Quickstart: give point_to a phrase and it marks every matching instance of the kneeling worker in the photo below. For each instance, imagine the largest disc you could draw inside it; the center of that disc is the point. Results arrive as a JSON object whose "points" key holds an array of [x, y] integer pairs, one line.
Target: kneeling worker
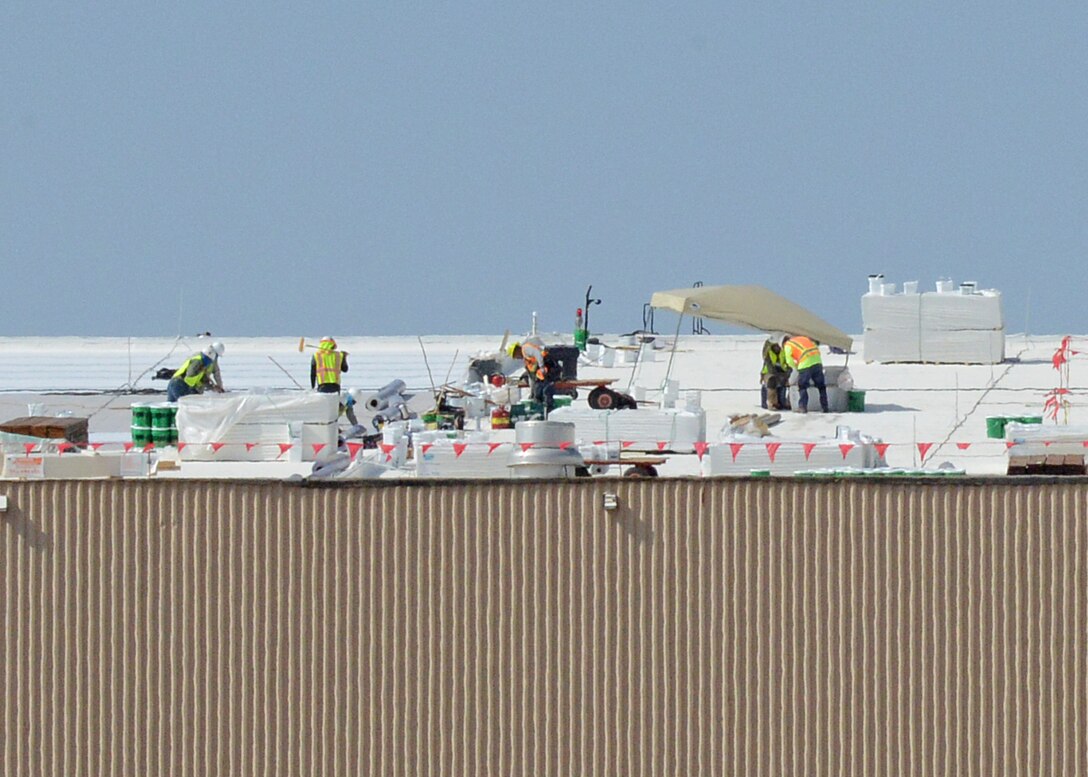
{"points": [[803, 355], [199, 371], [774, 378], [326, 366], [542, 368]]}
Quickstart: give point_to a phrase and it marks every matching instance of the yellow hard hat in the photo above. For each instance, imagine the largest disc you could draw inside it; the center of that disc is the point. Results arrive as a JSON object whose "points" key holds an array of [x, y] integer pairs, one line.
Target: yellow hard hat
{"points": [[510, 349]]}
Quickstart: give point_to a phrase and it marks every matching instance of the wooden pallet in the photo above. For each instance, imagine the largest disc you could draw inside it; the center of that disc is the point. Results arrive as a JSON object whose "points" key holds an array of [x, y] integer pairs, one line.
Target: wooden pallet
{"points": [[1072, 464]]}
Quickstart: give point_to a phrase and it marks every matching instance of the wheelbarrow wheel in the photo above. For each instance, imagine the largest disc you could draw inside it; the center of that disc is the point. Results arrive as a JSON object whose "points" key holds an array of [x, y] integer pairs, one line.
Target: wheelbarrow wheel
{"points": [[602, 398]]}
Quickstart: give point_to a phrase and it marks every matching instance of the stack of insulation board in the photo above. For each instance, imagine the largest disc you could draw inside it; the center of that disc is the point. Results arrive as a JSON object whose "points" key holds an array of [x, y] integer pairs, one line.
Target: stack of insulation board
{"points": [[1046, 440], [467, 456], [948, 326], [646, 429], [742, 454], [257, 426], [837, 396]]}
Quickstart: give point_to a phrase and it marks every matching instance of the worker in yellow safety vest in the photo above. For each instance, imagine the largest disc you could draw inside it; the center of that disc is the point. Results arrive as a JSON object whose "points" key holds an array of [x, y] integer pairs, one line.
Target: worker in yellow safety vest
{"points": [[542, 369], [774, 378], [326, 366], [803, 354], [200, 371]]}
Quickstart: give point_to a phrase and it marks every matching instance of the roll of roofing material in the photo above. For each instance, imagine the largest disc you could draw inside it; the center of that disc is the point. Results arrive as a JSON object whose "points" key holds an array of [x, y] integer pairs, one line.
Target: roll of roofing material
{"points": [[374, 402], [387, 403]]}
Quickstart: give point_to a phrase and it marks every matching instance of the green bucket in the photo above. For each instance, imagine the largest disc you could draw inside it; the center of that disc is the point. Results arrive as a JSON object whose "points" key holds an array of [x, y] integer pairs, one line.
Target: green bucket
{"points": [[163, 415], [141, 415], [562, 401], [855, 401], [1030, 419], [141, 435], [759, 473], [162, 437], [995, 426], [527, 409]]}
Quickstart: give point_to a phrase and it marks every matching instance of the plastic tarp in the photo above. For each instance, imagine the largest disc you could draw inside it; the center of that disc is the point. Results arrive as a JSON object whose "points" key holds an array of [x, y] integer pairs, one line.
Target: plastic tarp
{"points": [[642, 430], [933, 311], [210, 418], [934, 327], [751, 306]]}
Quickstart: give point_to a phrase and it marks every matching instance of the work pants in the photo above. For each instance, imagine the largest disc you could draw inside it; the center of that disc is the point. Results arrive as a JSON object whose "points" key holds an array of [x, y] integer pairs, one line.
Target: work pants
{"points": [[178, 388], [543, 391], [777, 386], [811, 376]]}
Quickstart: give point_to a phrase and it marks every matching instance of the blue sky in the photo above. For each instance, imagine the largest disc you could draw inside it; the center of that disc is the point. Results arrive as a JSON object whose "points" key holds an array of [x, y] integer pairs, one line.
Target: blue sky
{"points": [[362, 169]]}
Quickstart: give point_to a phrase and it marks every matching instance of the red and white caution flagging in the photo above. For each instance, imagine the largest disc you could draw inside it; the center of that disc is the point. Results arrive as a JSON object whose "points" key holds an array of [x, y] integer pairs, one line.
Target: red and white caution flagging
{"points": [[699, 448]]}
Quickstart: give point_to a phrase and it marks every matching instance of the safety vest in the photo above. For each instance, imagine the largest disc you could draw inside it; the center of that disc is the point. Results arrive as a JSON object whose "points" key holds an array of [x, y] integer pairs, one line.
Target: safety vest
{"points": [[801, 353], [328, 363], [534, 356], [773, 359], [197, 378]]}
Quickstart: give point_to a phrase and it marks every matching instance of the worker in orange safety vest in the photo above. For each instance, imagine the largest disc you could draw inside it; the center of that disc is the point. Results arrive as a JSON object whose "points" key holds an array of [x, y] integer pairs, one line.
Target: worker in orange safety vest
{"points": [[542, 368], [803, 354]]}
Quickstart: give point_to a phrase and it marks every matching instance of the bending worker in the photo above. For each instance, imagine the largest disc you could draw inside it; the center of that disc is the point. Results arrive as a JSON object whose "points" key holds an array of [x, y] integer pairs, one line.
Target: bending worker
{"points": [[326, 366], [774, 378], [803, 355], [199, 371], [542, 368]]}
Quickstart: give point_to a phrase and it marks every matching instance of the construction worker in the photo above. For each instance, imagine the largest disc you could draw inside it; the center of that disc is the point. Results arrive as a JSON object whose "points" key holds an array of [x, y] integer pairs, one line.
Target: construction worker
{"points": [[326, 366], [199, 371], [803, 354], [543, 370], [774, 378]]}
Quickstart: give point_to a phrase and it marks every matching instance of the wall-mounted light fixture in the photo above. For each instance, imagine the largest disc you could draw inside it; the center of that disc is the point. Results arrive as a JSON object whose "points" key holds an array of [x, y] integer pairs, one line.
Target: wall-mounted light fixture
{"points": [[610, 501]]}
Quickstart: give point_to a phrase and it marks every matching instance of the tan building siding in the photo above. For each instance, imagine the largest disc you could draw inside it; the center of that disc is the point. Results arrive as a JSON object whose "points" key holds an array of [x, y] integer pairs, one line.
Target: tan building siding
{"points": [[705, 627]]}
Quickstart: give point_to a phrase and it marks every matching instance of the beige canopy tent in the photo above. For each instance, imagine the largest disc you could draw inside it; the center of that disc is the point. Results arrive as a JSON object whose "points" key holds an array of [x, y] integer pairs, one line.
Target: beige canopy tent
{"points": [[751, 306]]}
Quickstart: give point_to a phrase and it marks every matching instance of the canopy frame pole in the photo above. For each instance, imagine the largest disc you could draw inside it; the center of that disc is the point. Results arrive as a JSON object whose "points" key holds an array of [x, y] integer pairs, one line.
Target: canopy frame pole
{"points": [[672, 355]]}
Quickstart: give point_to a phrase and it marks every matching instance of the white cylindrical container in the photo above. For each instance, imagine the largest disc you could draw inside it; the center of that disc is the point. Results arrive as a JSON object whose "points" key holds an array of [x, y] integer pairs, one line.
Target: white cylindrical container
{"points": [[542, 462], [944, 285], [910, 287], [693, 399], [551, 434], [968, 287], [670, 393], [875, 283], [294, 431], [887, 289]]}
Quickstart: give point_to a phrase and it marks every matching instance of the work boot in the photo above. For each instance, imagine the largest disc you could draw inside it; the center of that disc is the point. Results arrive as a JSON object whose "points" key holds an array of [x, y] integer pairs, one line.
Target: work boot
{"points": [[802, 410]]}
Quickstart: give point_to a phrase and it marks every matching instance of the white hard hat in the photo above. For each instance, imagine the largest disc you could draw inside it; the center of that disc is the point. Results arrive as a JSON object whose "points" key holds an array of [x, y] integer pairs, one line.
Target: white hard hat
{"points": [[214, 350], [219, 348]]}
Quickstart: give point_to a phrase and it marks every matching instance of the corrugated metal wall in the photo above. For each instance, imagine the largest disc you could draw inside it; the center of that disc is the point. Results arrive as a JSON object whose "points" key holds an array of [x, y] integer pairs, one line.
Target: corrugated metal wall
{"points": [[706, 627]]}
